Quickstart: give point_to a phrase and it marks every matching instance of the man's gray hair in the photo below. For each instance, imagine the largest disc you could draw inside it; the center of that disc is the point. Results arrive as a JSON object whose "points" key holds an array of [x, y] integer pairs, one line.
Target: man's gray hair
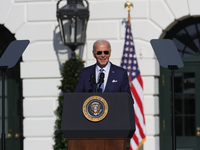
{"points": [[101, 41]]}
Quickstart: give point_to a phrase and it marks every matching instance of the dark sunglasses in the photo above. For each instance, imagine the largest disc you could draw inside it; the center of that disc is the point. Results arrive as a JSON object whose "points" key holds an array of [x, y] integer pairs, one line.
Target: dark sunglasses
{"points": [[105, 52]]}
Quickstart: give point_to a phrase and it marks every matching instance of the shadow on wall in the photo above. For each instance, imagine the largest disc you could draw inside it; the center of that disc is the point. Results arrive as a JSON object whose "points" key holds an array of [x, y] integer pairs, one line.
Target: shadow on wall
{"points": [[63, 53]]}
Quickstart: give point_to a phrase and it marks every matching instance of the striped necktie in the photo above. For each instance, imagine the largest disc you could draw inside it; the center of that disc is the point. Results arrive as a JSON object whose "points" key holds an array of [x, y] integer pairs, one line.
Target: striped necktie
{"points": [[102, 85]]}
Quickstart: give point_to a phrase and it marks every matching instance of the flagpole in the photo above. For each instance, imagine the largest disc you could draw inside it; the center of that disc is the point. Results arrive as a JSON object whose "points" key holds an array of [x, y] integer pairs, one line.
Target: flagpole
{"points": [[129, 62], [128, 4]]}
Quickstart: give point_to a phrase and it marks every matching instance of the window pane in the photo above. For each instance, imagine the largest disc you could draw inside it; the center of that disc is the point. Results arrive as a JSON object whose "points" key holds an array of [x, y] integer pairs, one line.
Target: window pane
{"points": [[189, 83], [178, 104], [179, 44], [179, 126], [182, 36], [190, 126], [189, 52], [191, 30], [178, 84], [189, 101]]}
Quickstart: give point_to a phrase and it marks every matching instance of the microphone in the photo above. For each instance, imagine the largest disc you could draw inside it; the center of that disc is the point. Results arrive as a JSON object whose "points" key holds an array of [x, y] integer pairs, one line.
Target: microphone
{"points": [[91, 80], [101, 79]]}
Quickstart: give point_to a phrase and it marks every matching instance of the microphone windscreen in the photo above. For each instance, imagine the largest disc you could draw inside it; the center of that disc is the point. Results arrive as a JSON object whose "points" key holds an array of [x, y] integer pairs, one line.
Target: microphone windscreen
{"points": [[92, 75], [92, 78], [102, 75]]}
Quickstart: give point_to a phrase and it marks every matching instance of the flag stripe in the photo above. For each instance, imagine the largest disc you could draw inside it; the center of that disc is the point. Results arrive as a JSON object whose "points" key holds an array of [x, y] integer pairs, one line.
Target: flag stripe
{"points": [[139, 126], [139, 115], [140, 81], [138, 89], [138, 98], [135, 140], [140, 118]]}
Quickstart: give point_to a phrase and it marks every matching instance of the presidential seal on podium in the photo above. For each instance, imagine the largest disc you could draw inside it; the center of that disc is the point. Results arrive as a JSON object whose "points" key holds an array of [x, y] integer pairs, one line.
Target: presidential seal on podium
{"points": [[95, 108]]}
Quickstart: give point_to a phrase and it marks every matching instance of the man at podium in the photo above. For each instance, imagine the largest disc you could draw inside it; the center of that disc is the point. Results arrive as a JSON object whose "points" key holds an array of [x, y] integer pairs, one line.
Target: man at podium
{"points": [[103, 76], [99, 121]]}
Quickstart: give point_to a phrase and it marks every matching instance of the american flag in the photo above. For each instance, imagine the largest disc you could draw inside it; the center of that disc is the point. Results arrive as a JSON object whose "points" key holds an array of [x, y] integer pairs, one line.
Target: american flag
{"points": [[129, 62]]}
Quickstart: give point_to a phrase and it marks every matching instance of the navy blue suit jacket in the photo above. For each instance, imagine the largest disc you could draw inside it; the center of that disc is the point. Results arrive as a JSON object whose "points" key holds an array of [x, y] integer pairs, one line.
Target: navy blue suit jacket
{"points": [[117, 80]]}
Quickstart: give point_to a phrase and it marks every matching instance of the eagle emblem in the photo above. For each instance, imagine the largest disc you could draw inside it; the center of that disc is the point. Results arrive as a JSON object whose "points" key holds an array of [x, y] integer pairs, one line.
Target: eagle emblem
{"points": [[95, 108]]}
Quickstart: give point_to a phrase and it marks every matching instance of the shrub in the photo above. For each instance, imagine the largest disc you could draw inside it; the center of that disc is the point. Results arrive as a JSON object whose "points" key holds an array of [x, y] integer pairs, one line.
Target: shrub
{"points": [[70, 76]]}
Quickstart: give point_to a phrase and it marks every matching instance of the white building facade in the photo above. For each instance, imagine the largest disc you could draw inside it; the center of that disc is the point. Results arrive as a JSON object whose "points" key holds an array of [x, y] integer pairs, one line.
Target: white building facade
{"points": [[40, 67]]}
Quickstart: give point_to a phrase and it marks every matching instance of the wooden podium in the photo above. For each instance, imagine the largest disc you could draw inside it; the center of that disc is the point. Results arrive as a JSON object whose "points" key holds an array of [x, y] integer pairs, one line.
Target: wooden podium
{"points": [[97, 144], [110, 133]]}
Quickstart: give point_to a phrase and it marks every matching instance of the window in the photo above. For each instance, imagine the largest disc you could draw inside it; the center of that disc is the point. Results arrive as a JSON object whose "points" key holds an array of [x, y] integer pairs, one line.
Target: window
{"points": [[186, 36]]}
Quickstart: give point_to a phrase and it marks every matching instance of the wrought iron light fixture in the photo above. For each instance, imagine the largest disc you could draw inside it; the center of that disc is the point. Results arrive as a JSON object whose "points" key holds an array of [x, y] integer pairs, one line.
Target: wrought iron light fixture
{"points": [[72, 19]]}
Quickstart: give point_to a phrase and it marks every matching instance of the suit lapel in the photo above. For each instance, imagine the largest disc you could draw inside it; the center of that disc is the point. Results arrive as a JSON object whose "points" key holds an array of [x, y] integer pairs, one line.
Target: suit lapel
{"points": [[110, 78], [93, 71]]}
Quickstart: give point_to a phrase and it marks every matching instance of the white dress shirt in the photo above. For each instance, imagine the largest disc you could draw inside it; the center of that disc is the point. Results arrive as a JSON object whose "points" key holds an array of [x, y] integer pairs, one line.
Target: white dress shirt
{"points": [[106, 72]]}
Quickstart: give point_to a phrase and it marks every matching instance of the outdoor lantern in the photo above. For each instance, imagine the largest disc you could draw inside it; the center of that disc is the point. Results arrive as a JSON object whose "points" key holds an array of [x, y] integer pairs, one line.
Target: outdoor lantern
{"points": [[72, 19]]}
